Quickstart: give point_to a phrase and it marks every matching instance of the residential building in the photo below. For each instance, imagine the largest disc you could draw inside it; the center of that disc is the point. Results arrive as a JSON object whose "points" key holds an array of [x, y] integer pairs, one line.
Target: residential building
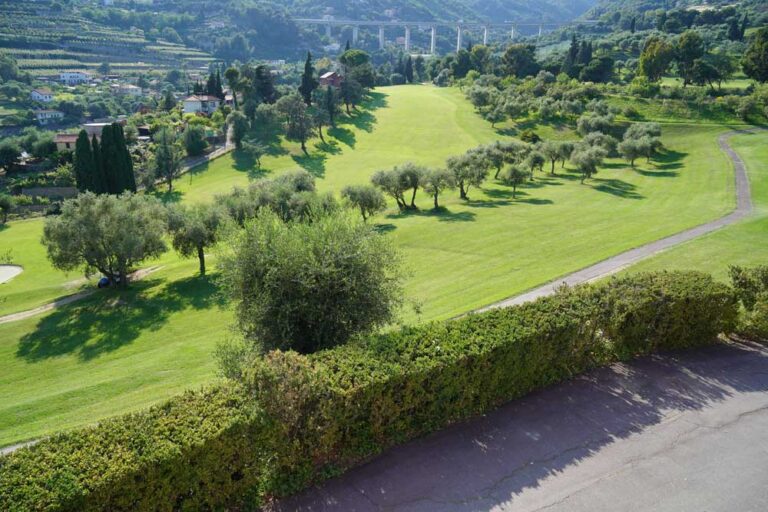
{"points": [[74, 77], [128, 90], [331, 78], [65, 141], [201, 104], [45, 117], [42, 95]]}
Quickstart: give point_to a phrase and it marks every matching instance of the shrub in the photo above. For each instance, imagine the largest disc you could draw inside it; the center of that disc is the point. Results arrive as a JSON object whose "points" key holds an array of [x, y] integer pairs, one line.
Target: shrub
{"points": [[751, 286], [310, 286], [320, 414]]}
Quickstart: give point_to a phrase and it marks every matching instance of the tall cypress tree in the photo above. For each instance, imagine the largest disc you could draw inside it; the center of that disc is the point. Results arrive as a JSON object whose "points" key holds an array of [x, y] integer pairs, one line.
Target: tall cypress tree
{"points": [[83, 163], [127, 178], [219, 86], [110, 160], [99, 177], [409, 70], [571, 58], [308, 81]]}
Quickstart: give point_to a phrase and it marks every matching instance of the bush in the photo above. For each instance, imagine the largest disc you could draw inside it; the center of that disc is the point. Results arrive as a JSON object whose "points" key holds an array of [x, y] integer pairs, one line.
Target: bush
{"points": [[329, 411], [310, 286], [751, 286]]}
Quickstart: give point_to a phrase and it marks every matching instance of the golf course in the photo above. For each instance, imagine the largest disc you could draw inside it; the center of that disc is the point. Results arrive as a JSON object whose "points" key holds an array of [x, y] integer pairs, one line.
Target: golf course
{"points": [[118, 351]]}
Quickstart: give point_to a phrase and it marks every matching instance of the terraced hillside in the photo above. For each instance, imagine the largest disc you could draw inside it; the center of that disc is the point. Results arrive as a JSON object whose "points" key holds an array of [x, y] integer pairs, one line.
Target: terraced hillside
{"points": [[44, 41]]}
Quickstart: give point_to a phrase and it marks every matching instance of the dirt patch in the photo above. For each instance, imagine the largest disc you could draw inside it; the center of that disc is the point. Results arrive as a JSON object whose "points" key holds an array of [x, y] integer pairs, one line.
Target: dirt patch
{"points": [[8, 272]]}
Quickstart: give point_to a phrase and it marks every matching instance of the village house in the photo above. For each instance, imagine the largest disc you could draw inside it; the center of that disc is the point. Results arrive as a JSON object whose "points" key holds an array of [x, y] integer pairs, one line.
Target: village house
{"points": [[127, 90], [74, 77], [331, 78], [44, 117], [65, 141], [42, 95], [201, 104]]}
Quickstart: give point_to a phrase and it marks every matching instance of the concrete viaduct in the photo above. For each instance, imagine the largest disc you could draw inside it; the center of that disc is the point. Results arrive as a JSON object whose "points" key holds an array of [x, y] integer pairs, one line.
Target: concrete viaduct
{"points": [[407, 26]]}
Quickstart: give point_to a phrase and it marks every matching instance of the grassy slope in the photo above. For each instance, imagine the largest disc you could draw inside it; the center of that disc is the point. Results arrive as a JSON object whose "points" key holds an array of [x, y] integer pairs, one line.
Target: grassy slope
{"points": [[102, 357], [741, 244]]}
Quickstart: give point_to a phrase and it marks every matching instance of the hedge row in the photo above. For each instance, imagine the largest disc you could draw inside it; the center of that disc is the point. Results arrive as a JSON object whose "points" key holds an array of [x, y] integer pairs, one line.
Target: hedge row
{"points": [[319, 415]]}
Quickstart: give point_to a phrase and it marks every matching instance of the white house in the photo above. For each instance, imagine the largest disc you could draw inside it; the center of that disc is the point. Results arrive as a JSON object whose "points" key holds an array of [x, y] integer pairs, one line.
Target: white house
{"points": [[127, 90], [42, 95], [44, 117], [74, 77], [201, 104]]}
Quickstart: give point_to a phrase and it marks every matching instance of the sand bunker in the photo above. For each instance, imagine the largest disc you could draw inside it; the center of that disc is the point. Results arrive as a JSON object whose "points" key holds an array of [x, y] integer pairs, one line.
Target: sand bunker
{"points": [[8, 272]]}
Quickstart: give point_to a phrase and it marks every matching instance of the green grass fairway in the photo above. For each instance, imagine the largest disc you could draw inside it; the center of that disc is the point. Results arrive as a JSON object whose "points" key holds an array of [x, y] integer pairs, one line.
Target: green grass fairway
{"points": [[741, 244], [112, 352], [39, 282]]}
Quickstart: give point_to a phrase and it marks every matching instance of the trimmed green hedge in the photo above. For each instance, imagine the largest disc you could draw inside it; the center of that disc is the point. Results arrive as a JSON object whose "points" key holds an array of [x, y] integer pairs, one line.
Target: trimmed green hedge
{"points": [[319, 415]]}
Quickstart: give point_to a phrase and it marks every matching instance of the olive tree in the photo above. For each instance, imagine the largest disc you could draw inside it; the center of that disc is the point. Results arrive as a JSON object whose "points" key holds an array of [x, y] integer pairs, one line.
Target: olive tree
{"points": [[587, 159], [514, 176], [310, 286], [410, 177], [391, 184], [106, 233], [195, 228], [468, 170], [436, 181], [367, 198]]}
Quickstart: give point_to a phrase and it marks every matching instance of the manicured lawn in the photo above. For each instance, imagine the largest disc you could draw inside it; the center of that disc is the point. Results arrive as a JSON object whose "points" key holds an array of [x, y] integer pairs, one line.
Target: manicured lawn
{"points": [[112, 352], [741, 244], [39, 282]]}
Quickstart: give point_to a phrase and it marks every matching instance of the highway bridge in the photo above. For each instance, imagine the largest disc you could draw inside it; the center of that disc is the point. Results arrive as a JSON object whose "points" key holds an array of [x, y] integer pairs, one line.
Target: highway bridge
{"points": [[509, 26]]}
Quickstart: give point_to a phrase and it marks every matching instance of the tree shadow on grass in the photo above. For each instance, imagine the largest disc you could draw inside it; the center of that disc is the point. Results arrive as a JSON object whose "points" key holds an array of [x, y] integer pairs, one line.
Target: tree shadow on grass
{"points": [[385, 228], [114, 318], [343, 135], [669, 159], [168, 197], [313, 164], [442, 214], [244, 162], [616, 187], [330, 147], [657, 174], [376, 100], [360, 119]]}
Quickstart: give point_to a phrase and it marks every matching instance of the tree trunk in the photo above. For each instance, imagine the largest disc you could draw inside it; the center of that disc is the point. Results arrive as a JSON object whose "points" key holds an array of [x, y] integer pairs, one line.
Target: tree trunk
{"points": [[514, 191], [201, 258], [320, 131], [304, 147], [436, 205], [498, 171], [462, 191], [413, 198], [170, 185], [349, 113], [552, 172]]}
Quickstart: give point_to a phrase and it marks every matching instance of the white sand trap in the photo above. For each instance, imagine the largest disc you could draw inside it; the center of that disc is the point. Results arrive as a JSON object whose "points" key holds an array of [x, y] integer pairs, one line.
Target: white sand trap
{"points": [[8, 272]]}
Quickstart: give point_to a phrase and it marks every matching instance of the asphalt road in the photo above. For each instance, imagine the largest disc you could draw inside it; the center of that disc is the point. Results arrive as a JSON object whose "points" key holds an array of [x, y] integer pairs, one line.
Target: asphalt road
{"points": [[682, 432]]}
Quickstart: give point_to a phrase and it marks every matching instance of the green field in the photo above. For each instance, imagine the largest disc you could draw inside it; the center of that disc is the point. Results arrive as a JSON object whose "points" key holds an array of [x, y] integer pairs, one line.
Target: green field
{"points": [[741, 244], [114, 352]]}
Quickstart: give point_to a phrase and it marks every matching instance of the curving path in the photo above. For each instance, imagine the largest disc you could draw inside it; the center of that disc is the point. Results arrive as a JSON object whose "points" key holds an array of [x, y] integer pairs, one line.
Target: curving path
{"points": [[621, 261], [69, 299]]}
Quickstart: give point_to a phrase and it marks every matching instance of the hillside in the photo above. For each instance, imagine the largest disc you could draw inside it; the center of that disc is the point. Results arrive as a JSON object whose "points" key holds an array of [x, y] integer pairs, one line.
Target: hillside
{"points": [[45, 39]]}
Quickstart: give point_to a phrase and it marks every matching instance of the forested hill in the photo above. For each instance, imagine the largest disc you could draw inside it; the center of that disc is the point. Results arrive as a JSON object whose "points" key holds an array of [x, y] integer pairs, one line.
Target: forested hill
{"points": [[648, 11]]}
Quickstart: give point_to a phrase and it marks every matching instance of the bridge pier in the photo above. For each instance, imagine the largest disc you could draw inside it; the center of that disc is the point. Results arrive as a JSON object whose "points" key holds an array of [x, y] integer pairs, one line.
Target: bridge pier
{"points": [[382, 40], [433, 41], [485, 36], [459, 36], [513, 32], [355, 34], [541, 30], [328, 31], [407, 38]]}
